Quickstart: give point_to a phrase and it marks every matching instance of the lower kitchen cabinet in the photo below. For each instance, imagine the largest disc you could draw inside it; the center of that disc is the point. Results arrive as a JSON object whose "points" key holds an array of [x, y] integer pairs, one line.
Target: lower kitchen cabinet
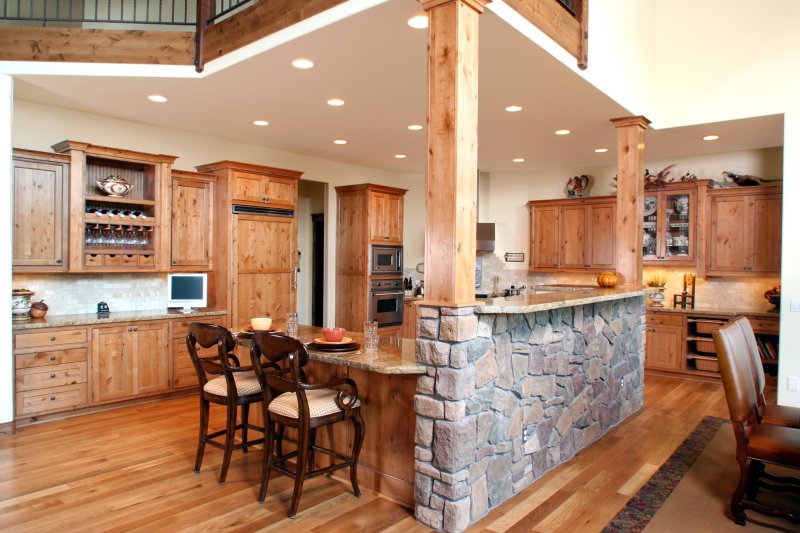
{"points": [[129, 360], [664, 342]]}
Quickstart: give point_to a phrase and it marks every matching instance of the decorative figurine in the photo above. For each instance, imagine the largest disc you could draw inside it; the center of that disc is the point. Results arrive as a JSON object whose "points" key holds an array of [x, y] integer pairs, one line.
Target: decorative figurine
{"points": [[115, 186], [577, 186], [744, 180]]}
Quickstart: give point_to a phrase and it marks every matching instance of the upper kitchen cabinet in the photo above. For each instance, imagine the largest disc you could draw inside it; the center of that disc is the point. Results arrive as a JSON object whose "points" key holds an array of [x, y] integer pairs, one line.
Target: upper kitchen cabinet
{"points": [[745, 231], [671, 215], [257, 185], [573, 235], [41, 192], [385, 216], [191, 220], [115, 207]]}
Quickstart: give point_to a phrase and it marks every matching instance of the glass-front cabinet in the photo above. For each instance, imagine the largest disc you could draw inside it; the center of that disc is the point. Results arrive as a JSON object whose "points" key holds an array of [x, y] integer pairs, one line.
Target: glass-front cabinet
{"points": [[670, 224]]}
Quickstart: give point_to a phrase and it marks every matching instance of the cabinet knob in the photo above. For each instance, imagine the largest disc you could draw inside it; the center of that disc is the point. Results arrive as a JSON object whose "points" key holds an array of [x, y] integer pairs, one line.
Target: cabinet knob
{"points": [[386, 238], [267, 198], [174, 261], [52, 357], [52, 376], [130, 329], [587, 266], [52, 398], [52, 339], [58, 261]]}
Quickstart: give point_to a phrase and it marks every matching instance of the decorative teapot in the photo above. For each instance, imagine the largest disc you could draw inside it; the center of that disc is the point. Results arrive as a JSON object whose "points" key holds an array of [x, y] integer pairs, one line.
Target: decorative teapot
{"points": [[115, 186]]}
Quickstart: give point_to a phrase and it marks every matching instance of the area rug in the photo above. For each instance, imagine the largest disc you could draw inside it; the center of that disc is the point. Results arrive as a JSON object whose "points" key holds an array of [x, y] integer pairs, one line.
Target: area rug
{"points": [[691, 491]]}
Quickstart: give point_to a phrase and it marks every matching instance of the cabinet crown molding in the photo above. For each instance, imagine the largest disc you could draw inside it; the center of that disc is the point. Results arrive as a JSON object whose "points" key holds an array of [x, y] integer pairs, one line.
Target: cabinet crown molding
{"points": [[345, 189], [249, 167], [113, 153]]}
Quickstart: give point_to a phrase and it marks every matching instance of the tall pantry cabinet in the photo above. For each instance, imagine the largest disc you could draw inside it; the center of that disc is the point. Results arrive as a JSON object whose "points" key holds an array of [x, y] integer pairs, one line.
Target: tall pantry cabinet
{"points": [[256, 214]]}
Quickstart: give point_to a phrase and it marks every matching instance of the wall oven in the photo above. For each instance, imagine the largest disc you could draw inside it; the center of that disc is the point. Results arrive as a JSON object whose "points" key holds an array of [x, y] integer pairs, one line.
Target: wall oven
{"points": [[386, 301], [386, 259]]}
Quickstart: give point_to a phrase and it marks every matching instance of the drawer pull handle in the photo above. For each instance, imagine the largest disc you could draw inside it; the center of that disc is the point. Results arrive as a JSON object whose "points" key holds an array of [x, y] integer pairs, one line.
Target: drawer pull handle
{"points": [[52, 376], [52, 398], [52, 357], [52, 339], [58, 261]]}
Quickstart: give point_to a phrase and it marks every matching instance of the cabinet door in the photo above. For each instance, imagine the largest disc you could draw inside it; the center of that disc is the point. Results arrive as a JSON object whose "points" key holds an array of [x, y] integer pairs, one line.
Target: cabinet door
{"points": [[40, 211], [249, 187], [573, 236], [393, 219], [265, 282], [152, 357], [192, 205], [730, 235], [664, 348], [281, 192], [544, 237], [602, 230], [112, 364], [409, 328], [377, 207], [766, 234]]}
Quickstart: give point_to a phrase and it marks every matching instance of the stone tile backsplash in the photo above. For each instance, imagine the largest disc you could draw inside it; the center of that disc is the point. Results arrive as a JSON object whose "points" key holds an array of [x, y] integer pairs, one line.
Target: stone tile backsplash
{"points": [[67, 294]]}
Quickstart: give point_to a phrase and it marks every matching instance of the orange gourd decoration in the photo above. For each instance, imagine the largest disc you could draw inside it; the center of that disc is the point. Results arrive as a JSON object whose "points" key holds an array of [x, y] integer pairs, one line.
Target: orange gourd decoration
{"points": [[607, 279]]}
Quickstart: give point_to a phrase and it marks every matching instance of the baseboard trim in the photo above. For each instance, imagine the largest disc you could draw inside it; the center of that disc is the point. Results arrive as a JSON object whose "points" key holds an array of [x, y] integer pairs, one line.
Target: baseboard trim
{"points": [[7, 429]]}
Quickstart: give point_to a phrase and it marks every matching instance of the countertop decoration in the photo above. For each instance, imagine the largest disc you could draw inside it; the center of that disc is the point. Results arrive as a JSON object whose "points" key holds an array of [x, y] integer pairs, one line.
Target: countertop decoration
{"points": [[657, 283], [607, 279], [773, 296], [577, 186], [685, 298], [21, 304]]}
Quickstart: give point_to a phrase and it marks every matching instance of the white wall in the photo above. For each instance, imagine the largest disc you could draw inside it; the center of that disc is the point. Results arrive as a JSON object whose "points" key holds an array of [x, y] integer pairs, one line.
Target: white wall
{"points": [[38, 127], [6, 207]]}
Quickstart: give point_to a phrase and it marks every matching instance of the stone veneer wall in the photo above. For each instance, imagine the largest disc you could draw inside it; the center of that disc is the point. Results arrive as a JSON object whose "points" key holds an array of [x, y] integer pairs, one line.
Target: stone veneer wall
{"points": [[507, 397]]}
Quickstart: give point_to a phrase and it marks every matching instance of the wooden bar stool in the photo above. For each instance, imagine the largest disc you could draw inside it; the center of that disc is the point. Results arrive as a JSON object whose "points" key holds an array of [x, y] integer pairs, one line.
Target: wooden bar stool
{"points": [[289, 401], [232, 386]]}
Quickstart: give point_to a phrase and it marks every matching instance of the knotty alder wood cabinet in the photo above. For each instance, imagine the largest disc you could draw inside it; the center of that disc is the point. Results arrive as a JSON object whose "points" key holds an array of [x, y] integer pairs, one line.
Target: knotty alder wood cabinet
{"points": [[41, 192], [664, 346], [745, 231], [385, 217], [191, 221], [672, 234], [573, 235]]}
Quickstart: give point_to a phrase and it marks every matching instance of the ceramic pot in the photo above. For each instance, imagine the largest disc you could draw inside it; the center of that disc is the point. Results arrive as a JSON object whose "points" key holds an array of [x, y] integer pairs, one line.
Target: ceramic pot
{"points": [[657, 297], [21, 304], [115, 186]]}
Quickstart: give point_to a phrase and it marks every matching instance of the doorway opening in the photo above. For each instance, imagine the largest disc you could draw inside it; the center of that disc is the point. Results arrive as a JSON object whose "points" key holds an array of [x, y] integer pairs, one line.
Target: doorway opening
{"points": [[311, 252]]}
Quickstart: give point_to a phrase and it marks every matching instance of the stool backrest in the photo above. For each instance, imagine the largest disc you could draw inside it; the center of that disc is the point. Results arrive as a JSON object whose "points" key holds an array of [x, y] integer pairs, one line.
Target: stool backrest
{"points": [[737, 377], [278, 361], [755, 358], [208, 335]]}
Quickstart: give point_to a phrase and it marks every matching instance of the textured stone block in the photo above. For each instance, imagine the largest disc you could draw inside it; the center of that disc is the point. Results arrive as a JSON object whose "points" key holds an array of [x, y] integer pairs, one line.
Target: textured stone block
{"points": [[437, 502], [485, 325], [485, 421], [430, 517], [423, 433], [428, 328], [428, 406], [455, 384], [499, 430], [519, 366], [455, 491], [515, 427], [422, 488], [500, 324], [533, 413], [480, 499], [458, 328], [424, 311], [454, 443], [453, 478], [478, 469], [423, 454], [431, 352], [519, 328], [427, 469], [457, 311], [485, 369], [455, 410], [541, 334], [425, 384], [456, 515]]}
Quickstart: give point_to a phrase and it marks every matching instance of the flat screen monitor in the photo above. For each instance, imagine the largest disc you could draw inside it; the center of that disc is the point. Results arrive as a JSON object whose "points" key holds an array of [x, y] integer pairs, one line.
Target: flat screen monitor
{"points": [[187, 291]]}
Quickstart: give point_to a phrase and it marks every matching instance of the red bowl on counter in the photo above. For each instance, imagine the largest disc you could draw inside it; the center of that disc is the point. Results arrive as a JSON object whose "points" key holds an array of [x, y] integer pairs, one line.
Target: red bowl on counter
{"points": [[333, 334]]}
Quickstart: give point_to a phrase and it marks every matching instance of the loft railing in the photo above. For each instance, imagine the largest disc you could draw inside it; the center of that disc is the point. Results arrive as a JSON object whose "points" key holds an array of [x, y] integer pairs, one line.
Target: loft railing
{"points": [[70, 12]]}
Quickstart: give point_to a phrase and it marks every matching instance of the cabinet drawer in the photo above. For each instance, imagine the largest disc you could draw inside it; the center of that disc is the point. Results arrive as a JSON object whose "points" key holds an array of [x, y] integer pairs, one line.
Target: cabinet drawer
{"points": [[49, 338], [183, 372], [113, 260], [146, 260], [129, 260], [705, 327], [666, 319], [93, 260], [51, 399], [180, 327], [51, 357], [42, 377], [765, 325]]}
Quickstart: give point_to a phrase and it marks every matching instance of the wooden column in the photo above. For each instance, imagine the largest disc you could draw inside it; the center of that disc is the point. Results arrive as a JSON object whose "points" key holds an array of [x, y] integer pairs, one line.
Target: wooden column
{"points": [[451, 179], [630, 201]]}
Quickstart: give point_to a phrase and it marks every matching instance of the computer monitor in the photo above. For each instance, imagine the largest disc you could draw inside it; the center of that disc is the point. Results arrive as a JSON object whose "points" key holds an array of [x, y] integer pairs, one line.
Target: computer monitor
{"points": [[187, 291]]}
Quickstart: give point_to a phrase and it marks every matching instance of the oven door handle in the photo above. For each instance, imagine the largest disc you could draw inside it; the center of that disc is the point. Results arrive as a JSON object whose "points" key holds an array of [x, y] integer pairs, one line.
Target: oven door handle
{"points": [[388, 293]]}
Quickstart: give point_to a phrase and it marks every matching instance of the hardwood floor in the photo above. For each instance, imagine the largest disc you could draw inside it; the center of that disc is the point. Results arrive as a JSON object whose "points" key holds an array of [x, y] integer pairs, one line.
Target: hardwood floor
{"points": [[130, 469]]}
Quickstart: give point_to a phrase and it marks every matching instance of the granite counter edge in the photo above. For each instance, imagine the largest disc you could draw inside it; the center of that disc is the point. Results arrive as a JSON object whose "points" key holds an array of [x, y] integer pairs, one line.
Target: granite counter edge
{"points": [[89, 319]]}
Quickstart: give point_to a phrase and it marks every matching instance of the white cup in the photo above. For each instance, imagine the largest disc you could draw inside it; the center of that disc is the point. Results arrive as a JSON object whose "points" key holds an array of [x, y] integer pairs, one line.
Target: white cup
{"points": [[261, 323]]}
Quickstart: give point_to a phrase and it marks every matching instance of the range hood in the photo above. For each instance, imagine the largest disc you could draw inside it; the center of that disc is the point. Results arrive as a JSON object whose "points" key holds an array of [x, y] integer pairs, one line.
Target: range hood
{"points": [[485, 237]]}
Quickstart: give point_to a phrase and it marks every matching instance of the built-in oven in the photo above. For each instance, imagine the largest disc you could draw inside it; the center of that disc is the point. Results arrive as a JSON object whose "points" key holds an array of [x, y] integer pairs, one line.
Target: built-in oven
{"points": [[386, 259], [386, 301]]}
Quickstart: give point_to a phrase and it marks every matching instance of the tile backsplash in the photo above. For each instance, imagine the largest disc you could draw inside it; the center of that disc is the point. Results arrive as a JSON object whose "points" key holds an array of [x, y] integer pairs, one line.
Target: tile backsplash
{"points": [[67, 294]]}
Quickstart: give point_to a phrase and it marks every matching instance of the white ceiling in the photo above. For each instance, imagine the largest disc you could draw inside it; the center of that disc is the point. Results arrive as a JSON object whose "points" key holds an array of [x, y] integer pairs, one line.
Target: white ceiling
{"points": [[377, 64]]}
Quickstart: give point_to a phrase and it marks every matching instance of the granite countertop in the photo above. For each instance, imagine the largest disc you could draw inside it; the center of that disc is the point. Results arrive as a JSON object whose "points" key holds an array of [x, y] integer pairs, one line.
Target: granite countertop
{"points": [[761, 311], [394, 356], [88, 319], [544, 299]]}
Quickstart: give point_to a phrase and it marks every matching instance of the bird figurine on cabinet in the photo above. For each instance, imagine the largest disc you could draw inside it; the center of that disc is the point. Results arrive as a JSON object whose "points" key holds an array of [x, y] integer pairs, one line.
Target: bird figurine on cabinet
{"points": [[744, 180]]}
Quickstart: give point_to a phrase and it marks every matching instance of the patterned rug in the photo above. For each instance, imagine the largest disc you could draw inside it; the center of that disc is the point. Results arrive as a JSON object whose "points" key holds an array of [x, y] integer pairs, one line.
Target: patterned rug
{"points": [[642, 507]]}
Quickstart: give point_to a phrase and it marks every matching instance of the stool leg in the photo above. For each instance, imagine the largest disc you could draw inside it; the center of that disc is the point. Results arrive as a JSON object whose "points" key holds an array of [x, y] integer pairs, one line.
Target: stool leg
{"points": [[265, 468], [245, 416], [201, 440], [300, 472], [279, 445], [358, 440], [312, 441], [230, 433]]}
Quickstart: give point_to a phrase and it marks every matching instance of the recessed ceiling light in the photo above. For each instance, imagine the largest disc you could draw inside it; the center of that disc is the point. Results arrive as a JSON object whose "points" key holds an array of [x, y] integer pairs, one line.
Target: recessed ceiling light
{"points": [[711, 137], [563, 132], [336, 102], [399, 156], [415, 127], [340, 141], [601, 150], [302, 63], [261, 123], [518, 160], [157, 98], [513, 108], [418, 22]]}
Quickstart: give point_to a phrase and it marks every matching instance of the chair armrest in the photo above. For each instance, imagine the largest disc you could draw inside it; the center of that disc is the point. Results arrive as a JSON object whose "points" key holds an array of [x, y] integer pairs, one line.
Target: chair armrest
{"points": [[347, 391]]}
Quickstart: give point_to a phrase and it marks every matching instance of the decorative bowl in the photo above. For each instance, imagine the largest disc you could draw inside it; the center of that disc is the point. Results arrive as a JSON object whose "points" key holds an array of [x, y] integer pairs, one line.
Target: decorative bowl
{"points": [[115, 186], [261, 323], [333, 334]]}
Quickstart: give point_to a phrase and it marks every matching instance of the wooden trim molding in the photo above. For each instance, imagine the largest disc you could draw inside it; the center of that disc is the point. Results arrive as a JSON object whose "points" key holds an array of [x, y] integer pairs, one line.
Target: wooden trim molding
{"points": [[210, 168], [345, 189], [113, 153], [96, 46], [7, 429], [557, 23]]}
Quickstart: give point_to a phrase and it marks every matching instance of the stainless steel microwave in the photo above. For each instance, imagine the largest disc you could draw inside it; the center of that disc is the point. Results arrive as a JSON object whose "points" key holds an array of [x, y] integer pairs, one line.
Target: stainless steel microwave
{"points": [[386, 259]]}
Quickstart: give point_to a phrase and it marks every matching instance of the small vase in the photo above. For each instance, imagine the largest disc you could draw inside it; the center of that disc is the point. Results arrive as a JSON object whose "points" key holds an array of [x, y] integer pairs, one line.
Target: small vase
{"points": [[657, 297], [21, 304]]}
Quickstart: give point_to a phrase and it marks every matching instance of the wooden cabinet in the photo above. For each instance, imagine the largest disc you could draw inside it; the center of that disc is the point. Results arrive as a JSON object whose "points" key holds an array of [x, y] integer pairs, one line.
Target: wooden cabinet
{"points": [[385, 218], [183, 372], [573, 235], [191, 221], [745, 231], [672, 216], [258, 185], [409, 328], [129, 360], [41, 208], [366, 214], [115, 233], [664, 346]]}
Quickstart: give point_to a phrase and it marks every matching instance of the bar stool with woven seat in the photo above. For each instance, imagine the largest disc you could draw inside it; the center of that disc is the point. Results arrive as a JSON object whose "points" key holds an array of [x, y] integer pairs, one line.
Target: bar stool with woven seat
{"points": [[231, 386], [290, 401]]}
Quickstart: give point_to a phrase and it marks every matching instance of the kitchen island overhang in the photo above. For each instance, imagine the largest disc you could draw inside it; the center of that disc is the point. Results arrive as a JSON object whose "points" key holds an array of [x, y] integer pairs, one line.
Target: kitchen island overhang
{"points": [[515, 387]]}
